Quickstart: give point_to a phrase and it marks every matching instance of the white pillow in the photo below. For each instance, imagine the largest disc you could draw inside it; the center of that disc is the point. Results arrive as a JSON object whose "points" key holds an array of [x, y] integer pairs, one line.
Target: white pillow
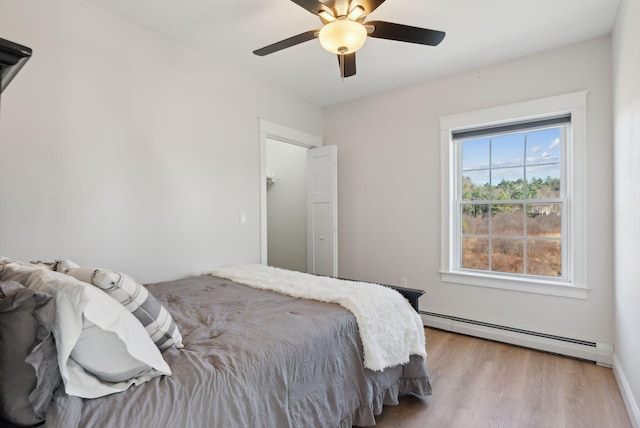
{"points": [[154, 317], [89, 353], [59, 265], [79, 308], [64, 266]]}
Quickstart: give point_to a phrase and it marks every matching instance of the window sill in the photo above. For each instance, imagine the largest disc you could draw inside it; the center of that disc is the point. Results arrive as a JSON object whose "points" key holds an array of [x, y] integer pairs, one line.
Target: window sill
{"points": [[526, 285]]}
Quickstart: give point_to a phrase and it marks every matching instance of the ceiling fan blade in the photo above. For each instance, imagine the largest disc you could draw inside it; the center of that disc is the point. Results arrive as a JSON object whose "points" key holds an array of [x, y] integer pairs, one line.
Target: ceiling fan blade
{"points": [[370, 5], [286, 43], [313, 6], [405, 33], [347, 64]]}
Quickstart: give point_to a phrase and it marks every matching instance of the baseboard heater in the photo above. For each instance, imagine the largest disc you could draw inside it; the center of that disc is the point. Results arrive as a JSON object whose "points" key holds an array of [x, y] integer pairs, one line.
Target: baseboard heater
{"points": [[600, 353]]}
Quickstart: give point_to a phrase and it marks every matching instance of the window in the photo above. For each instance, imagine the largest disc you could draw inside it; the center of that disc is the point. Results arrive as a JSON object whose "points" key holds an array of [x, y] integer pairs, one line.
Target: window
{"points": [[513, 203], [510, 198]]}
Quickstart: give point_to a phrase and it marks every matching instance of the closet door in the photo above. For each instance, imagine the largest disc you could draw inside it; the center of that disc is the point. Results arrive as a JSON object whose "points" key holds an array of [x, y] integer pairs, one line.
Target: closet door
{"points": [[322, 210]]}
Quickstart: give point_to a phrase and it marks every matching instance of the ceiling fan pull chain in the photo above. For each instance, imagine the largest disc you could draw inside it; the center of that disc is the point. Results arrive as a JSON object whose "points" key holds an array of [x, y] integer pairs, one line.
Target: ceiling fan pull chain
{"points": [[341, 56]]}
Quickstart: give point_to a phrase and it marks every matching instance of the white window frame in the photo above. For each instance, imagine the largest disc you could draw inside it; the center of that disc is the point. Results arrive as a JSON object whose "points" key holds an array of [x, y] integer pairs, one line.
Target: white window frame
{"points": [[573, 284]]}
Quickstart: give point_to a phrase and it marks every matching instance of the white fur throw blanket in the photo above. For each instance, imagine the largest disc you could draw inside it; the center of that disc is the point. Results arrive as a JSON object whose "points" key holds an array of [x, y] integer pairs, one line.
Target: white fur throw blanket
{"points": [[390, 329]]}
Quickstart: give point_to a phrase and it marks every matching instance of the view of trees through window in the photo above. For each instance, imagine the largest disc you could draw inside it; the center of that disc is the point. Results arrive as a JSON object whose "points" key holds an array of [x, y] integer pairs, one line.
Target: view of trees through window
{"points": [[511, 203]]}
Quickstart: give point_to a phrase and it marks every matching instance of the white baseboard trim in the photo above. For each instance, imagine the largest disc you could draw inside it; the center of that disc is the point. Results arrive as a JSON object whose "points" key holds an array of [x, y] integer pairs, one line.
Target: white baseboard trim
{"points": [[627, 395], [601, 353]]}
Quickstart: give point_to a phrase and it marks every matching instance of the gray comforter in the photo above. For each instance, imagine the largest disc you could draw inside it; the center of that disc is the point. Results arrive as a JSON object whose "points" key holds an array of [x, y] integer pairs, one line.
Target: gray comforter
{"points": [[252, 358]]}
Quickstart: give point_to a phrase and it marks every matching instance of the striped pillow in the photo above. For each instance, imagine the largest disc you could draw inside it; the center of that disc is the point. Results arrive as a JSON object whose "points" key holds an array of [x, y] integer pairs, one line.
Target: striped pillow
{"points": [[155, 318]]}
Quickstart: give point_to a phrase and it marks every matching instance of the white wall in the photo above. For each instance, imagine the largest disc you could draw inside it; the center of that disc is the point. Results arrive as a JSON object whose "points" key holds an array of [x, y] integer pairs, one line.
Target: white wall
{"points": [[287, 206], [626, 91], [389, 187], [122, 149]]}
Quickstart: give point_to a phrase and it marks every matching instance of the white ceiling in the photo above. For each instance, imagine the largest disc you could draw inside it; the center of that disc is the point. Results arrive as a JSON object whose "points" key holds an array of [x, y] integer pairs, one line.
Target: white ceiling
{"points": [[479, 32]]}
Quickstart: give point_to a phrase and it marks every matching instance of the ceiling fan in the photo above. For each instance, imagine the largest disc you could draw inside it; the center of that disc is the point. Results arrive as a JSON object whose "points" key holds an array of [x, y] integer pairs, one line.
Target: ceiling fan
{"points": [[344, 30]]}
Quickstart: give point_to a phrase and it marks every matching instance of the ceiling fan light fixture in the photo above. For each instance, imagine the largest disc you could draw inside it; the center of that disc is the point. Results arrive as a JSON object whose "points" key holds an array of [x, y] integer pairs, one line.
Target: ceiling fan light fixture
{"points": [[342, 36], [356, 13], [327, 16]]}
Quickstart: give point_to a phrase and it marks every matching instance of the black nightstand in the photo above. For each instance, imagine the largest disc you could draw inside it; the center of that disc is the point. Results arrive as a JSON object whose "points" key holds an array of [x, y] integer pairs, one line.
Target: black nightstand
{"points": [[411, 294]]}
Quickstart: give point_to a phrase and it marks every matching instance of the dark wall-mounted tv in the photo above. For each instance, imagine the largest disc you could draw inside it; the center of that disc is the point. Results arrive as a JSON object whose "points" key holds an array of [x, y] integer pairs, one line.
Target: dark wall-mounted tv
{"points": [[12, 59]]}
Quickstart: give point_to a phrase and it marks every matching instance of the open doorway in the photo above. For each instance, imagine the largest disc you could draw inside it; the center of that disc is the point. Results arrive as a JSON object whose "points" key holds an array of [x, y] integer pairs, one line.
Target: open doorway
{"points": [[320, 195], [286, 205]]}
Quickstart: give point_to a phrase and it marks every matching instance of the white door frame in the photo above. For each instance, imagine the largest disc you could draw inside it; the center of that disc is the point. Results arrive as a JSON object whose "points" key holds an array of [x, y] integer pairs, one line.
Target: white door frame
{"points": [[285, 134]]}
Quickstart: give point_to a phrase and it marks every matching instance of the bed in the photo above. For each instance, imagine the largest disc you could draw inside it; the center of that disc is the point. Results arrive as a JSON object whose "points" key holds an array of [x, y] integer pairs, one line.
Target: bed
{"points": [[251, 358]]}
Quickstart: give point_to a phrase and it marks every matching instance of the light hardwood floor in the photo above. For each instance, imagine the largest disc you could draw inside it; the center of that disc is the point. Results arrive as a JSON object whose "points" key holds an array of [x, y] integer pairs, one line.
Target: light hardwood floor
{"points": [[478, 383]]}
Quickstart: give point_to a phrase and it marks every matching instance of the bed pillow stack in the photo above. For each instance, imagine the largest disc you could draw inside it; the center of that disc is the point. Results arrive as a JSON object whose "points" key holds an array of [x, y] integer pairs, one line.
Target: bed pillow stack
{"points": [[101, 347], [155, 318]]}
